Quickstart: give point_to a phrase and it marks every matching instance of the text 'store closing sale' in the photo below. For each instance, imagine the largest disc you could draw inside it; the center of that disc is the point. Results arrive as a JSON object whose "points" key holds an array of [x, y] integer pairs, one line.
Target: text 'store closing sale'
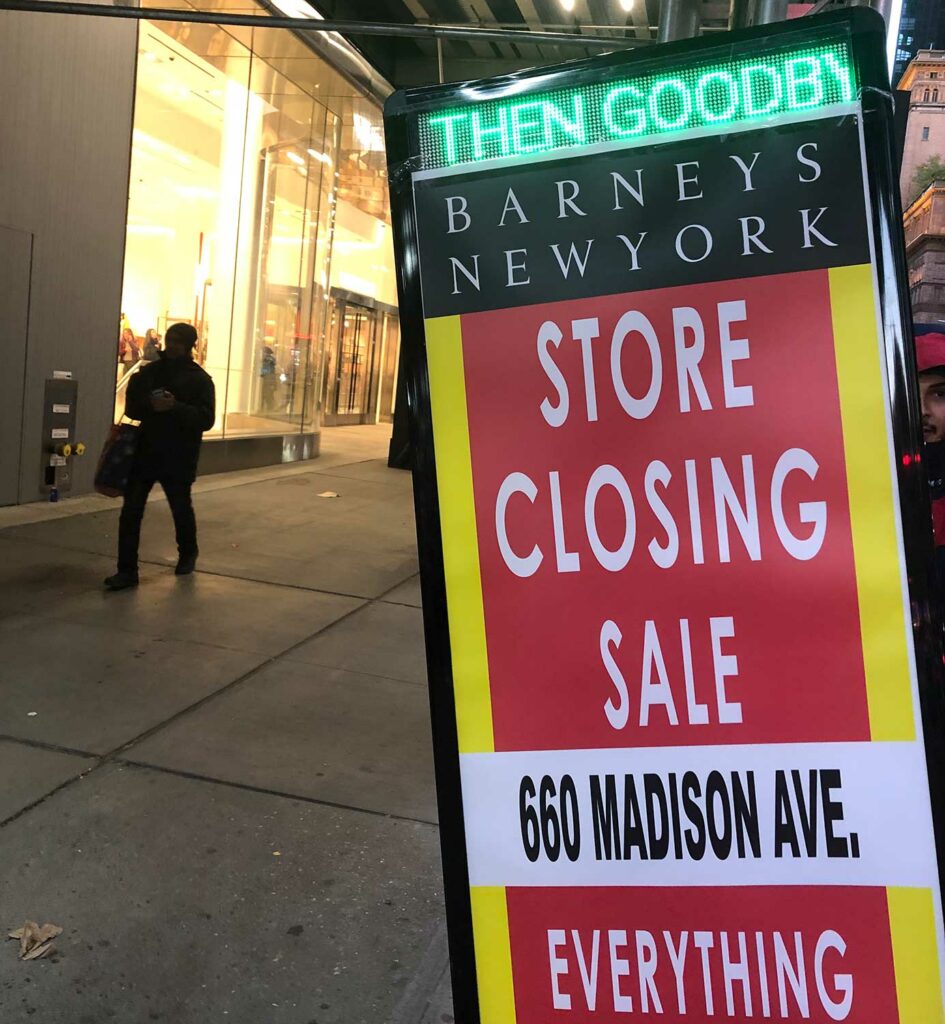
{"points": [[693, 774]]}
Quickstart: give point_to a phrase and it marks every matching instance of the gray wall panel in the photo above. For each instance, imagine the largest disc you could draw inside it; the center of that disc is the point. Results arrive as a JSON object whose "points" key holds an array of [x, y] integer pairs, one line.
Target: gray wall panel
{"points": [[16, 249], [65, 142]]}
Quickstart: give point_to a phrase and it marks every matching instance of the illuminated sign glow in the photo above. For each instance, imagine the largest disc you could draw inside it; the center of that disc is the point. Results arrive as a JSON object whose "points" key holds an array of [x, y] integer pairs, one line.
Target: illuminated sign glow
{"points": [[743, 89]]}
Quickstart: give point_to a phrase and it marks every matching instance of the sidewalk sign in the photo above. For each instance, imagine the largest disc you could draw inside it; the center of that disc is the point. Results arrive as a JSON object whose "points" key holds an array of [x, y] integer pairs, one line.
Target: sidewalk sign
{"points": [[674, 531]]}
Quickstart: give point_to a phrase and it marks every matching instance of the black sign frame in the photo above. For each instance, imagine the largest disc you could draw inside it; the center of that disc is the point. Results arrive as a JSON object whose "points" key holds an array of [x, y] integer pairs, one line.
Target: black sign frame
{"points": [[867, 38]]}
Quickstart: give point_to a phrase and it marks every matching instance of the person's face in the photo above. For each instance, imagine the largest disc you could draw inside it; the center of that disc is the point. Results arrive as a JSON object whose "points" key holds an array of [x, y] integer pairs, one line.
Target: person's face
{"points": [[932, 393], [174, 348]]}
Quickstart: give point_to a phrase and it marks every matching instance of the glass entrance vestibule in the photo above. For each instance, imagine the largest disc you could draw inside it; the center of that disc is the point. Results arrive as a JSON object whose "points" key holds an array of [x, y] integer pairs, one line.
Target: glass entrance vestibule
{"points": [[258, 202], [361, 362]]}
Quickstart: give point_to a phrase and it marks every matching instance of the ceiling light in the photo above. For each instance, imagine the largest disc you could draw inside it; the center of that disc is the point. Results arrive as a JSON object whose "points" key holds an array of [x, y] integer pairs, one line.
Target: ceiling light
{"points": [[568, 5], [626, 5], [295, 158]]}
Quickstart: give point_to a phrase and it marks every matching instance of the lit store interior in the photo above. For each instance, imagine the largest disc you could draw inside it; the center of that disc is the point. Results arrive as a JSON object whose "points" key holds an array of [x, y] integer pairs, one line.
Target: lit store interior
{"points": [[258, 212]]}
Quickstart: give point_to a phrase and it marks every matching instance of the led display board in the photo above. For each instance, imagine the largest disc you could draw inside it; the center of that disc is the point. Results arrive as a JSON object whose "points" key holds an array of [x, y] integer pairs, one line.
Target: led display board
{"points": [[725, 92], [674, 532]]}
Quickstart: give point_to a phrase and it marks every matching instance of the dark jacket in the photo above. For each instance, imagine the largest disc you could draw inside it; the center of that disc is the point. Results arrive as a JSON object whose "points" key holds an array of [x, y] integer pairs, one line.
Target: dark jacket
{"points": [[169, 442]]}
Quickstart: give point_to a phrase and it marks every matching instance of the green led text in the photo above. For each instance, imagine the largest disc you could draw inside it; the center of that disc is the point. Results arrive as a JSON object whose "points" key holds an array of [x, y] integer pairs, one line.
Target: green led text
{"points": [[739, 90]]}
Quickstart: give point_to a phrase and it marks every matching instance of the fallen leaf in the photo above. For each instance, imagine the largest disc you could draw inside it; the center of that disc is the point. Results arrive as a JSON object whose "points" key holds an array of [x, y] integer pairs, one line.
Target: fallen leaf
{"points": [[26, 939], [35, 941], [329, 494], [47, 932], [35, 954]]}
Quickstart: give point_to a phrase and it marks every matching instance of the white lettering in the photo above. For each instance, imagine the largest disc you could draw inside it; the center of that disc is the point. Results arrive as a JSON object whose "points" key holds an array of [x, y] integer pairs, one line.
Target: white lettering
{"points": [[807, 162], [585, 331], [752, 236], [560, 1000], [688, 357], [568, 200], [634, 249], [634, 321], [513, 205], [515, 483], [724, 665], [620, 180], [706, 237], [835, 1009], [733, 349], [567, 561], [617, 715], [684, 181], [608, 476], [471, 276], [658, 693], [664, 557], [619, 968], [746, 169], [555, 415], [812, 512], [514, 268], [810, 231], [454, 213]]}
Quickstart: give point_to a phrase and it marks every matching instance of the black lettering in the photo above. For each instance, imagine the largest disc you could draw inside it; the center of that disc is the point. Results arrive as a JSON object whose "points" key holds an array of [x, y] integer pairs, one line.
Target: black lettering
{"points": [[695, 836], [674, 810], [807, 809], [721, 841], [605, 816], [833, 812], [746, 814], [656, 814], [633, 834], [785, 831]]}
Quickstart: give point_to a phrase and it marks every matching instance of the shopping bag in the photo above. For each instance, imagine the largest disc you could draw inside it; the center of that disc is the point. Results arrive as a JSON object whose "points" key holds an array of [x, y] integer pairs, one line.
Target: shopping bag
{"points": [[115, 462]]}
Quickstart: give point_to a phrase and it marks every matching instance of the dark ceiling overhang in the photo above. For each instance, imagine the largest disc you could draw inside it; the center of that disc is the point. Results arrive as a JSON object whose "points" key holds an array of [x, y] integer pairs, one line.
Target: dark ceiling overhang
{"points": [[406, 61]]}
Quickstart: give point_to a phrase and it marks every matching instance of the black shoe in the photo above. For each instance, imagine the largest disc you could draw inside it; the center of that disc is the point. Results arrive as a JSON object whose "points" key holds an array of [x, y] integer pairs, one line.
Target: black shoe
{"points": [[186, 565], [121, 581]]}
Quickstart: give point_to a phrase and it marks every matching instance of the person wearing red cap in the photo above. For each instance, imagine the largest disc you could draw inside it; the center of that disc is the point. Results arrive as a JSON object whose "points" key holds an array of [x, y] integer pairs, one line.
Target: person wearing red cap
{"points": [[930, 357]]}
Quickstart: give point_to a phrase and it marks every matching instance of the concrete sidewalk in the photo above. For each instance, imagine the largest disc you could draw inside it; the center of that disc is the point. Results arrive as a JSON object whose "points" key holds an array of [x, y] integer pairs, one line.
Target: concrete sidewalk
{"points": [[221, 787]]}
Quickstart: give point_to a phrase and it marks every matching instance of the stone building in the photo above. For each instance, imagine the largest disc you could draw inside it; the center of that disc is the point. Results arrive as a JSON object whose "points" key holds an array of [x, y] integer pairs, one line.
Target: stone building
{"points": [[924, 223], [925, 133]]}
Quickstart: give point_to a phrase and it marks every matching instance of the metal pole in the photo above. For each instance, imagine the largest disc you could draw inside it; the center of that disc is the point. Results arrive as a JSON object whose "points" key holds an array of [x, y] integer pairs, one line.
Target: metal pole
{"points": [[439, 58], [765, 12], [357, 28], [679, 19], [738, 14]]}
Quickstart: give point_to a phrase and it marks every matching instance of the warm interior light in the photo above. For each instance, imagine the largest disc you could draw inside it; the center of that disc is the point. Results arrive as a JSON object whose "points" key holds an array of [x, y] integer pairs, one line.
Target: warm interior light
{"points": [[568, 5], [295, 158], [626, 5]]}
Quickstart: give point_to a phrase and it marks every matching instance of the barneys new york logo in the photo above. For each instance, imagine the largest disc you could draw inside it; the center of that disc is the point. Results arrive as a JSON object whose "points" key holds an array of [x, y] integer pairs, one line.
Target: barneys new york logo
{"points": [[563, 200]]}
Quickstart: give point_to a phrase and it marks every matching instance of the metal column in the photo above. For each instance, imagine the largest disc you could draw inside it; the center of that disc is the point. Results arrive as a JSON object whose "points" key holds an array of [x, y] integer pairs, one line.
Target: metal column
{"points": [[764, 12], [679, 19]]}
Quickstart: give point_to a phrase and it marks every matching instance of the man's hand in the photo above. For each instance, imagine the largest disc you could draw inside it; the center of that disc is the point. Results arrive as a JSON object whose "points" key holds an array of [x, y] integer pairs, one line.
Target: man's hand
{"points": [[163, 402]]}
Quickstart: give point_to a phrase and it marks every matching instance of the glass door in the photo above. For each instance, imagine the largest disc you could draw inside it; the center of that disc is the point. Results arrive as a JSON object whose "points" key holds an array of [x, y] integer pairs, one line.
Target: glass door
{"points": [[351, 364]]}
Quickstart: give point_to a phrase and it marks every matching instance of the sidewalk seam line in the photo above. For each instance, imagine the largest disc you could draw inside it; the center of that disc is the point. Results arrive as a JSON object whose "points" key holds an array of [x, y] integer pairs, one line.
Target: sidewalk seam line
{"points": [[114, 756], [267, 791]]}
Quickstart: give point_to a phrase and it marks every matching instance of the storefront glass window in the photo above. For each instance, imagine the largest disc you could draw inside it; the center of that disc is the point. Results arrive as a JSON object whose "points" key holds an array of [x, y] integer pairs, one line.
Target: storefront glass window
{"points": [[258, 212]]}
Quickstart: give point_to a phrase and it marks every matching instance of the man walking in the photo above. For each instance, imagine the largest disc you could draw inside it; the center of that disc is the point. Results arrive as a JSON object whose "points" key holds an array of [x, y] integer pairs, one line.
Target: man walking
{"points": [[173, 399]]}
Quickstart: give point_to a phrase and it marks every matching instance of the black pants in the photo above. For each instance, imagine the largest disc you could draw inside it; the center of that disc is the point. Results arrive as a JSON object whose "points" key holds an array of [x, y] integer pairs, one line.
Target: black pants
{"points": [[132, 512]]}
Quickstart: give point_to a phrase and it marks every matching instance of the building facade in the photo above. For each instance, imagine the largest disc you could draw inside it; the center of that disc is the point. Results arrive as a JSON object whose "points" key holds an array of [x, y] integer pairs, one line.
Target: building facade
{"points": [[924, 80], [924, 224], [232, 178]]}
